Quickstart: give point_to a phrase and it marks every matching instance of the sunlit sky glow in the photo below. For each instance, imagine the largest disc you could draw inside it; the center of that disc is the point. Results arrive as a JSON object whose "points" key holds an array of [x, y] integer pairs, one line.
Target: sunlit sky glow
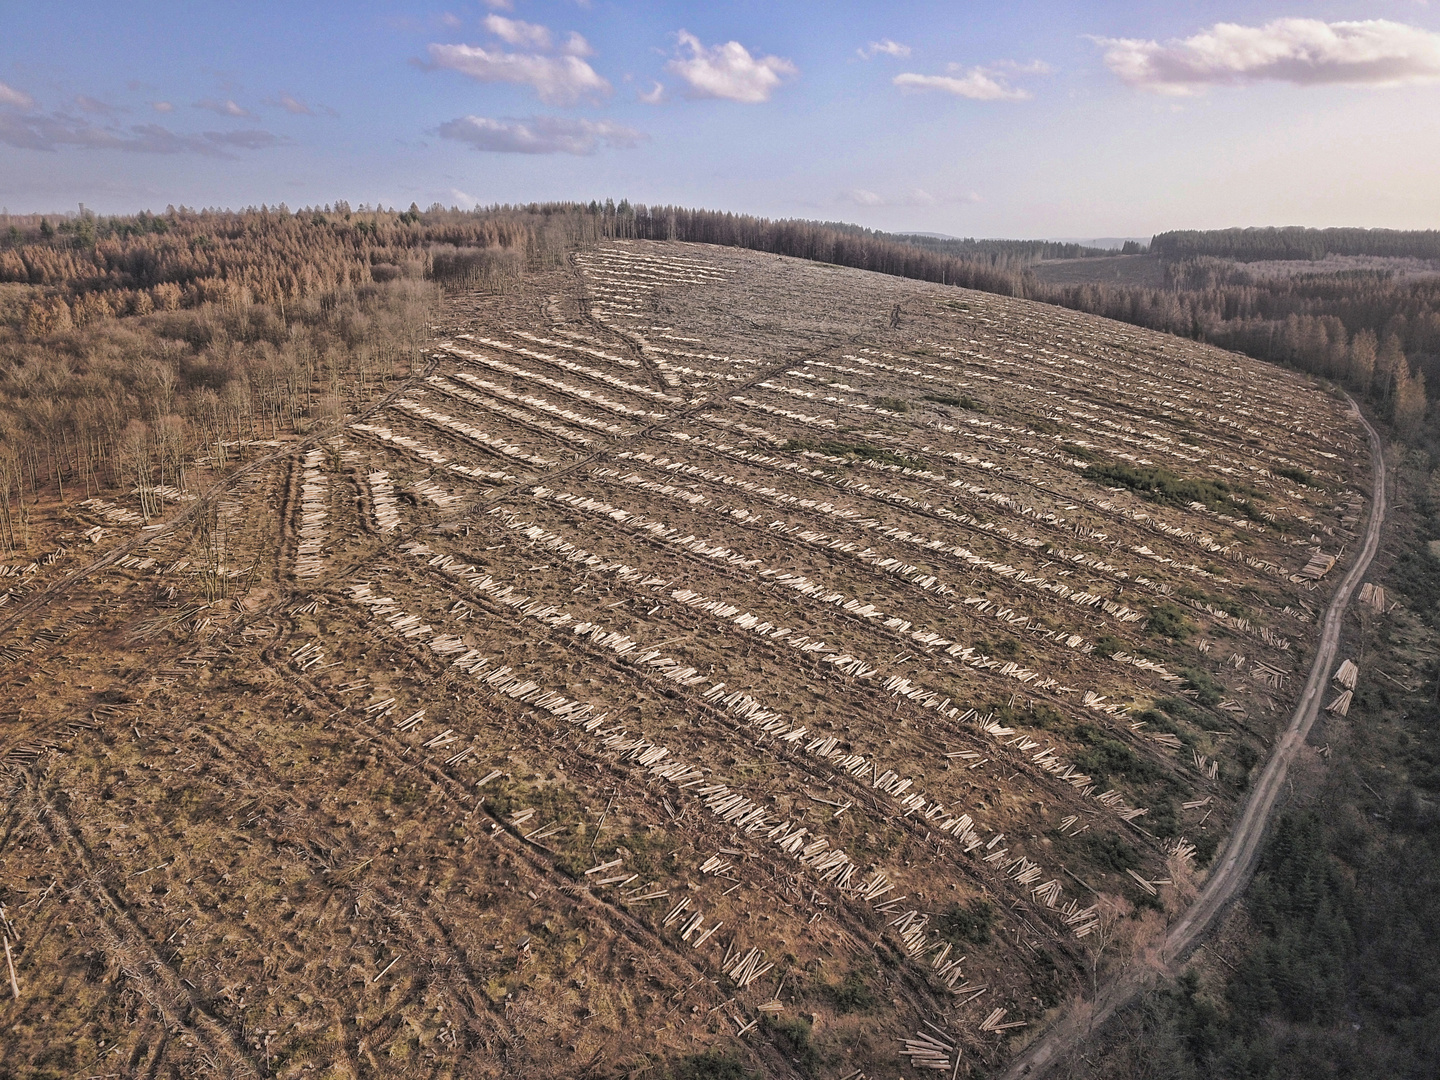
{"points": [[1022, 119]]}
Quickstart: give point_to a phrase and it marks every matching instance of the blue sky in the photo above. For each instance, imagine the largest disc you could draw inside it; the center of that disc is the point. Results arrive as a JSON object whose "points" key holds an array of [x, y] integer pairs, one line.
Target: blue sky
{"points": [[1021, 119]]}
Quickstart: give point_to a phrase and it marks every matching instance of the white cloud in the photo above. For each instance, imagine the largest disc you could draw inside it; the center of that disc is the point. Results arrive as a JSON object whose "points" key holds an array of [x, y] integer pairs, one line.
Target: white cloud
{"points": [[913, 197], [576, 45], [539, 135], [978, 83], [729, 71], [10, 96], [292, 105], [50, 133], [95, 105], [516, 32], [162, 106], [452, 21], [463, 200], [885, 46], [1030, 67], [500, 5], [224, 108], [654, 96], [1306, 52], [558, 80]]}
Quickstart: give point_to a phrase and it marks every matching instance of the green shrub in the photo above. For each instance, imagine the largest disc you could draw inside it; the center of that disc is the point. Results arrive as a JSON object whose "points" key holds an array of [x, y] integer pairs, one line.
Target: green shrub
{"points": [[1163, 486], [1008, 648], [1108, 850], [1169, 620], [1207, 691], [969, 923], [1181, 709], [711, 1065], [852, 995], [1104, 755], [861, 451], [1109, 645], [1221, 603], [792, 1038], [963, 401]]}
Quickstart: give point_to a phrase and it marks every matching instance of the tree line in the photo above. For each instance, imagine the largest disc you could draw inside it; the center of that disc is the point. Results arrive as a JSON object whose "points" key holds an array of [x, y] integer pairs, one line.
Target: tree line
{"points": [[132, 346], [128, 344], [1376, 332], [1296, 243]]}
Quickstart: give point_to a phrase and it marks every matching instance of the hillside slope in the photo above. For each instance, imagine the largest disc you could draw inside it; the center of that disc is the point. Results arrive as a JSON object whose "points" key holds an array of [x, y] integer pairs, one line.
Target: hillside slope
{"points": [[707, 653]]}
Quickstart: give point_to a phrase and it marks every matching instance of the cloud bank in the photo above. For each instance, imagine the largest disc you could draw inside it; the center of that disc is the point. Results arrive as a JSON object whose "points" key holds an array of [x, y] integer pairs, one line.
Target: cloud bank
{"points": [[1305, 52], [10, 96], [977, 83], [913, 197], [55, 131], [539, 135], [224, 108], [293, 105], [885, 46], [728, 71], [556, 80], [519, 33]]}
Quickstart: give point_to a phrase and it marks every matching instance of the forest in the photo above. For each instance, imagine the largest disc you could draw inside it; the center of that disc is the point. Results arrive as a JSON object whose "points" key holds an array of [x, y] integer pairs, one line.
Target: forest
{"points": [[125, 341], [129, 345], [1293, 243]]}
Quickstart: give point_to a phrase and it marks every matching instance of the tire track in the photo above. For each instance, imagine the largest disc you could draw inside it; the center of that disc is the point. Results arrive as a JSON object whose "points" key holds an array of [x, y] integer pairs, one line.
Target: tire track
{"points": [[157, 982]]}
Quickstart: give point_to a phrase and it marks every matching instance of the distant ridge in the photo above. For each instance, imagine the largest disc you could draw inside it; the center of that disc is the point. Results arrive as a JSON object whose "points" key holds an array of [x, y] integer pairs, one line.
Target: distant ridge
{"points": [[1104, 243], [1110, 243]]}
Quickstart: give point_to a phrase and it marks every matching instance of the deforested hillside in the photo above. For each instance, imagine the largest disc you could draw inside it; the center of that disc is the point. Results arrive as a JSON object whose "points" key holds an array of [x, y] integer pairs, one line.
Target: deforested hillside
{"points": [[700, 661]]}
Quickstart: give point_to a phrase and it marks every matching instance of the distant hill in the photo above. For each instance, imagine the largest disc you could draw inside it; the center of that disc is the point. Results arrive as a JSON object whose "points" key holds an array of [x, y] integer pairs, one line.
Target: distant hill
{"points": [[1108, 243], [1293, 242], [1092, 246]]}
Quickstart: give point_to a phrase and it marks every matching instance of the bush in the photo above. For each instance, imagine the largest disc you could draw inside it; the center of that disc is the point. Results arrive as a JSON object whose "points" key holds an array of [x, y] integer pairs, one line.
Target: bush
{"points": [[1008, 648], [1108, 850], [891, 404], [971, 923], [1164, 486], [1220, 603], [711, 1066], [1181, 709], [1104, 755], [858, 450], [1162, 820], [1169, 620], [792, 1038], [1208, 692], [1109, 645], [1157, 720], [964, 401], [852, 995]]}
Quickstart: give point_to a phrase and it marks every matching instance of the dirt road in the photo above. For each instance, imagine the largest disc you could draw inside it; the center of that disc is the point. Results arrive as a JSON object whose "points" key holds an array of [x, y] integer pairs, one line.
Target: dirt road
{"points": [[1237, 862]]}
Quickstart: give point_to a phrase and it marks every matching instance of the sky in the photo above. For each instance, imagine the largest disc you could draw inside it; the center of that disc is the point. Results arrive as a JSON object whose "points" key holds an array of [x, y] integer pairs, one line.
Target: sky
{"points": [[1023, 119]]}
